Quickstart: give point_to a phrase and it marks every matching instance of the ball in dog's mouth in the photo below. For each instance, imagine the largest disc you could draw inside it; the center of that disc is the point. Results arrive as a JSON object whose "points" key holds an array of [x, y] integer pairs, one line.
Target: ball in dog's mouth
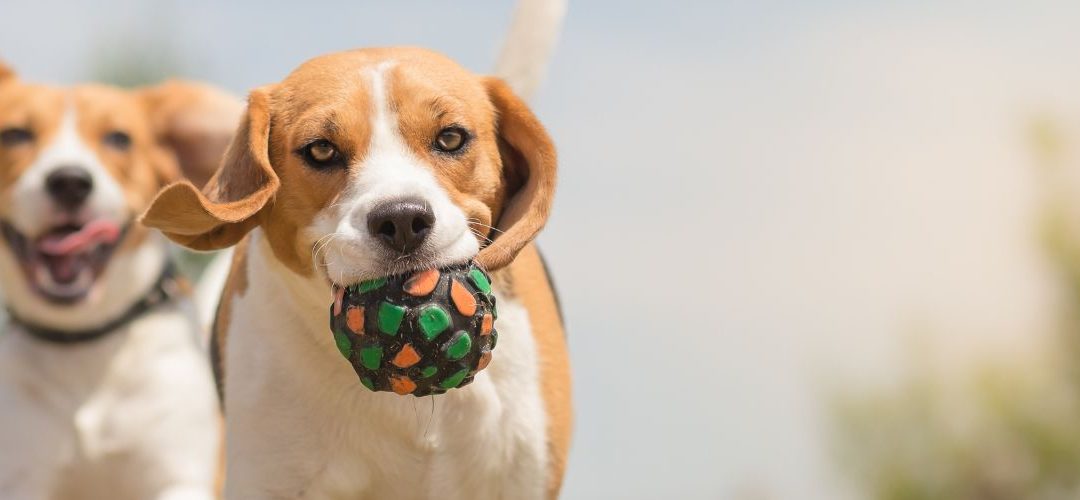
{"points": [[419, 333], [64, 262]]}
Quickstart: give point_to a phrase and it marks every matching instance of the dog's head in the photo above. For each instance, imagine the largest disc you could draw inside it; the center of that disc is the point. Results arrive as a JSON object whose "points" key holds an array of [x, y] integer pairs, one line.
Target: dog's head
{"points": [[373, 162], [77, 166]]}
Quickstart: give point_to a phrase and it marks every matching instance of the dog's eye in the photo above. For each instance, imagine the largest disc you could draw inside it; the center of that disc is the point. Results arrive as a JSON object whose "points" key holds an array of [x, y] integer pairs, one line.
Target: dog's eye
{"points": [[118, 140], [451, 139], [322, 154], [15, 136]]}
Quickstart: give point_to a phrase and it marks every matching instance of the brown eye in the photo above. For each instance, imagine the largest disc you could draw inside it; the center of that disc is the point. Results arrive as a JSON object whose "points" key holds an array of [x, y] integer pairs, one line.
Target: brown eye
{"points": [[322, 154], [451, 139], [15, 136], [118, 140]]}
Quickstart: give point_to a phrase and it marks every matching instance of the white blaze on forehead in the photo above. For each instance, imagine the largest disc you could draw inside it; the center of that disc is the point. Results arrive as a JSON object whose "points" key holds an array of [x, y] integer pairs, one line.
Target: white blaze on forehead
{"points": [[33, 211], [389, 171]]}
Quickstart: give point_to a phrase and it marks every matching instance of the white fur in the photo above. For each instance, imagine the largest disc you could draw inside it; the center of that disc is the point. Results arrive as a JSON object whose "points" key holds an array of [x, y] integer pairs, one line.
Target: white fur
{"points": [[299, 423], [389, 171], [130, 415], [128, 275]]}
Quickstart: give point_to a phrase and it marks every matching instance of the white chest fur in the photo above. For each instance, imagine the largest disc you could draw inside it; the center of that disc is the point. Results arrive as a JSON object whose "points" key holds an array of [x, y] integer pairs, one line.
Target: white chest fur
{"points": [[300, 425], [130, 415]]}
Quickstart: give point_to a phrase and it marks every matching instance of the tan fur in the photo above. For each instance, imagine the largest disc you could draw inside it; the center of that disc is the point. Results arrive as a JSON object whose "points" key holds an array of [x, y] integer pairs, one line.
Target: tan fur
{"points": [[430, 91], [534, 290], [174, 128], [5, 71]]}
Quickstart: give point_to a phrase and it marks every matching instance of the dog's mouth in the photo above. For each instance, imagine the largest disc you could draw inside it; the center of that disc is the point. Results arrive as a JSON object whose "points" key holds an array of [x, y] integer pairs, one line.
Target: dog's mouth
{"points": [[63, 264], [393, 266]]}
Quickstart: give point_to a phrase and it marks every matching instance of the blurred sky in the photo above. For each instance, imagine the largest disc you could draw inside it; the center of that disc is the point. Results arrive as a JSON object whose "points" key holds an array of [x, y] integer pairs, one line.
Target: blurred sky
{"points": [[758, 199]]}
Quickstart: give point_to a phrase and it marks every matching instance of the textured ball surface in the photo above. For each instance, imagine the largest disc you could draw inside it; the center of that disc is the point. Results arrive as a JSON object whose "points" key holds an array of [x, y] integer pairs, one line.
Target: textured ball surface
{"points": [[421, 333]]}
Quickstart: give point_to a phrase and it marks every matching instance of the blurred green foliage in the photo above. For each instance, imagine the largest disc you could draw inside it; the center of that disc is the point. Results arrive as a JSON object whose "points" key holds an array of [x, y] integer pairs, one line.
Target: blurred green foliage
{"points": [[1008, 429]]}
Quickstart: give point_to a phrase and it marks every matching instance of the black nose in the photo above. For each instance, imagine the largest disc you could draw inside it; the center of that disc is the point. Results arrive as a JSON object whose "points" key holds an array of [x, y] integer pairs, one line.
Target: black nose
{"points": [[69, 186], [402, 225]]}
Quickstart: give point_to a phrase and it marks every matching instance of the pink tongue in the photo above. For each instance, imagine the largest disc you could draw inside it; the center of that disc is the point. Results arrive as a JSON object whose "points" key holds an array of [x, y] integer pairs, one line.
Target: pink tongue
{"points": [[99, 231]]}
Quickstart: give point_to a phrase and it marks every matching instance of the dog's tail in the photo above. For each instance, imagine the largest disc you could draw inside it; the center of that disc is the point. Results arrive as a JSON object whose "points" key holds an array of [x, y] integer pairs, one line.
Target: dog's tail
{"points": [[529, 44]]}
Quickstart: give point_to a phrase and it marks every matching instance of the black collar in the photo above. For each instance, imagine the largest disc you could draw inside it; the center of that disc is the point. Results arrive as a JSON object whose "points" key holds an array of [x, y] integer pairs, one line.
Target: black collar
{"points": [[163, 290]]}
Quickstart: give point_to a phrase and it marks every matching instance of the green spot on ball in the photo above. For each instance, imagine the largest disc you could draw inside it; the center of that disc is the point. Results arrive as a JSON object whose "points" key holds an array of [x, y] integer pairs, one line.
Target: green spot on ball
{"points": [[371, 357], [367, 383], [428, 371], [459, 346], [343, 344], [481, 281], [455, 379], [433, 320], [369, 285], [390, 317]]}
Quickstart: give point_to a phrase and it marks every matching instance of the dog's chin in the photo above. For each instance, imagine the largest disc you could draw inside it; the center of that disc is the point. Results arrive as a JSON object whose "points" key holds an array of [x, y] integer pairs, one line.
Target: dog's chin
{"points": [[63, 264]]}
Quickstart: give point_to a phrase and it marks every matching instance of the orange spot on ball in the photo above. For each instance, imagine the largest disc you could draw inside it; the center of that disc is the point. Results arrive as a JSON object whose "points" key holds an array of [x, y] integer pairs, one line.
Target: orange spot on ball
{"points": [[487, 324], [485, 358], [402, 385], [354, 318], [406, 357], [422, 283], [463, 299]]}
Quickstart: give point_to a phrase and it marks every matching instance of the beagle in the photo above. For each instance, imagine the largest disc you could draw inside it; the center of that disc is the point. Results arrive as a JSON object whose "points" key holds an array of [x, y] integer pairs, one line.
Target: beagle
{"points": [[362, 164], [104, 386]]}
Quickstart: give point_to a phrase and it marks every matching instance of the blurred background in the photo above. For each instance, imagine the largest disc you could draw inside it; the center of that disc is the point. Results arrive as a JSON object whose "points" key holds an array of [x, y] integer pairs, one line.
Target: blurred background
{"points": [[807, 250]]}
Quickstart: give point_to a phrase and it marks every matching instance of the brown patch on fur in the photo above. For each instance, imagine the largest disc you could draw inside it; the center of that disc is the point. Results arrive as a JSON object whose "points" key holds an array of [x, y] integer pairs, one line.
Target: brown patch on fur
{"points": [[196, 121], [534, 291], [6, 71]]}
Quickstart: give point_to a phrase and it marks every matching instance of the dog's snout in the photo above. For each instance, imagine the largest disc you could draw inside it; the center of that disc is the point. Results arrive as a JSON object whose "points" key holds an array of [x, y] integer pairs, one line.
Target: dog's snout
{"points": [[69, 186], [402, 225]]}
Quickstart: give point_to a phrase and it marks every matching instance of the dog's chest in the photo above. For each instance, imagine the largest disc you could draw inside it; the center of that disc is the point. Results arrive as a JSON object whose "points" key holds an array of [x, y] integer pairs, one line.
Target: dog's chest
{"points": [[95, 412], [295, 405]]}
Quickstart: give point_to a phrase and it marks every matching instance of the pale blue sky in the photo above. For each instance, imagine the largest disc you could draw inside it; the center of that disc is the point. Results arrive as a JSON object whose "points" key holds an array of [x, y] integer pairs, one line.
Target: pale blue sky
{"points": [[755, 196]]}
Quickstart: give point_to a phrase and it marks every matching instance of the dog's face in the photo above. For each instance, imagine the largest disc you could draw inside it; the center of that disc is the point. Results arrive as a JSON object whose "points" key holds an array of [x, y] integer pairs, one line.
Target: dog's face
{"points": [[78, 164], [374, 162]]}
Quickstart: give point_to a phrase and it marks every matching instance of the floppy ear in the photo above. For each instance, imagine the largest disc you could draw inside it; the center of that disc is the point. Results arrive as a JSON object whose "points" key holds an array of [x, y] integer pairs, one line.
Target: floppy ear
{"points": [[225, 210], [528, 165], [193, 120]]}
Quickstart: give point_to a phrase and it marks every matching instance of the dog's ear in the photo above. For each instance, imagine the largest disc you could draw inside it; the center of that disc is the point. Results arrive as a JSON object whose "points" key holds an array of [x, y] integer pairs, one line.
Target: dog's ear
{"points": [[528, 171], [225, 210], [6, 72], [196, 122]]}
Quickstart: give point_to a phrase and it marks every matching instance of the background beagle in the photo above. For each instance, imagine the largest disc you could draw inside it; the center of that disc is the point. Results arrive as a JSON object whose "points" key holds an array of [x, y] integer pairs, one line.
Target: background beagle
{"points": [[103, 385], [461, 169]]}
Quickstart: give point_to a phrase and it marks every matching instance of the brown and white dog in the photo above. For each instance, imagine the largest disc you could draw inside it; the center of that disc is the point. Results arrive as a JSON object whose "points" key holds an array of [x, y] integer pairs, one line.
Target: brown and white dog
{"points": [[462, 169], [104, 388]]}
